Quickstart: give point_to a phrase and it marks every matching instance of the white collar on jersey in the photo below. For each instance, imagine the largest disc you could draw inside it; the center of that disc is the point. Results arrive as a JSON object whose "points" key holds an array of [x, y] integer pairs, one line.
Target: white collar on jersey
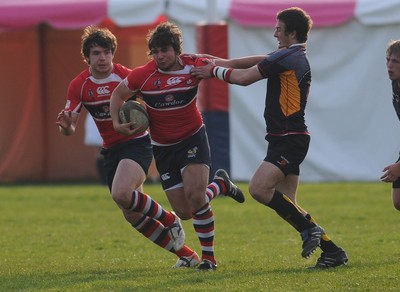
{"points": [[298, 45]]}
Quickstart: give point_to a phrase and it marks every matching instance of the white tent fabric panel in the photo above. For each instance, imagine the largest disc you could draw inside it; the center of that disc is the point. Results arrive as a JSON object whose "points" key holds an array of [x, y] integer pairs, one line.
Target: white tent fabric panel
{"points": [[372, 12], [138, 12], [194, 12]]}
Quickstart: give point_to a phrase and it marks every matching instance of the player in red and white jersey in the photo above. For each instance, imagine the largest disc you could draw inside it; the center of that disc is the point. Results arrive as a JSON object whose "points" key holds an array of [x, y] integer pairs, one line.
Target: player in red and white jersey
{"points": [[170, 98], [94, 94], [180, 144], [126, 158]]}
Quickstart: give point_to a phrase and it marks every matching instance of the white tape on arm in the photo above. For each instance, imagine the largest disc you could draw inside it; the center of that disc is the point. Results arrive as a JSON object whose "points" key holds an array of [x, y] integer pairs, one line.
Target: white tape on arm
{"points": [[221, 73]]}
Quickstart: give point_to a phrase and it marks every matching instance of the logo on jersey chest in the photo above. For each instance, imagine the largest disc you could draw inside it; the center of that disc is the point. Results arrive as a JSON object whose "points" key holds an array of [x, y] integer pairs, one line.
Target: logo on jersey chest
{"points": [[172, 81], [169, 101], [175, 80], [101, 112], [157, 83], [169, 98], [103, 90]]}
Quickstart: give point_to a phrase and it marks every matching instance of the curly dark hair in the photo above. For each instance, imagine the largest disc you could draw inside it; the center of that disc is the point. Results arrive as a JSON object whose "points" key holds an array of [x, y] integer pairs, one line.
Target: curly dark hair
{"points": [[95, 36], [296, 20], [165, 34]]}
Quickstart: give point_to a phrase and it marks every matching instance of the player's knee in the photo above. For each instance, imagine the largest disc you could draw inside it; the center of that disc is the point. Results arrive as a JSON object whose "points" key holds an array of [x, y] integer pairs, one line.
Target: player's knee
{"points": [[183, 214], [254, 193], [396, 205], [196, 198], [122, 198], [259, 194]]}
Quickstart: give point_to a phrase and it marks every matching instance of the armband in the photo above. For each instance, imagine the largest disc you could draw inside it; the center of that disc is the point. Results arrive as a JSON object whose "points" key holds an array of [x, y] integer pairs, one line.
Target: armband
{"points": [[221, 73]]}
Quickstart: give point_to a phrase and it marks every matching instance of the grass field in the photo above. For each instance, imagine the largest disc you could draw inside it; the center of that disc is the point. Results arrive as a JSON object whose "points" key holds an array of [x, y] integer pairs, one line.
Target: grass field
{"points": [[74, 238]]}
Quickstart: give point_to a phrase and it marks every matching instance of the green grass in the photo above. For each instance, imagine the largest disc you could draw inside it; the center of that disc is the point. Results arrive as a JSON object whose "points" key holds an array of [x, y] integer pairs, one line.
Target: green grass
{"points": [[74, 238]]}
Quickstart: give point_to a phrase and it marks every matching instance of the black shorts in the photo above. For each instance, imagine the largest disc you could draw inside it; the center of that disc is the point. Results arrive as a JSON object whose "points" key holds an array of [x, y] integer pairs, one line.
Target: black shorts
{"points": [[396, 183], [170, 160], [139, 150], [287, 152]]}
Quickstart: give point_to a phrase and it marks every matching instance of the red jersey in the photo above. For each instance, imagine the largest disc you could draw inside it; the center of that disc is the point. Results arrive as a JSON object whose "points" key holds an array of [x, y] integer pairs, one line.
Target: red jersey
{"points": [[94, 94], [170, 99]]}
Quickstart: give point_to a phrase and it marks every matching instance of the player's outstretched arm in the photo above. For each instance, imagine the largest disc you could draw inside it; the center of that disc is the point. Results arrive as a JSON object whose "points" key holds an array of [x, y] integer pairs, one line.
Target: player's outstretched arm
{"points": [[240, 63], [242, 77]]}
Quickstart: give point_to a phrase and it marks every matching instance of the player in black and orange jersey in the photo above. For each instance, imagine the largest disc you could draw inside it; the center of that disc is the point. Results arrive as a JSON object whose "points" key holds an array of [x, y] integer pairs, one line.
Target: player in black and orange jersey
{"points": [[275, 182], [180, 143], [126, 158], [392, 172]]}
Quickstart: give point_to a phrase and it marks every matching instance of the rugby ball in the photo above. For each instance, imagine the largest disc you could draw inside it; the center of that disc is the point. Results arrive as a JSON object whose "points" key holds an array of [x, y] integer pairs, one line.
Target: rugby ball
{"points": [[133, 111]]}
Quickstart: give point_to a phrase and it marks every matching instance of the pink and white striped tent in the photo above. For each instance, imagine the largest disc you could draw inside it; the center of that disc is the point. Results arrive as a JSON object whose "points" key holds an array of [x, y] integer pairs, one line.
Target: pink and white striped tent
{"points": [[69, 14]]}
